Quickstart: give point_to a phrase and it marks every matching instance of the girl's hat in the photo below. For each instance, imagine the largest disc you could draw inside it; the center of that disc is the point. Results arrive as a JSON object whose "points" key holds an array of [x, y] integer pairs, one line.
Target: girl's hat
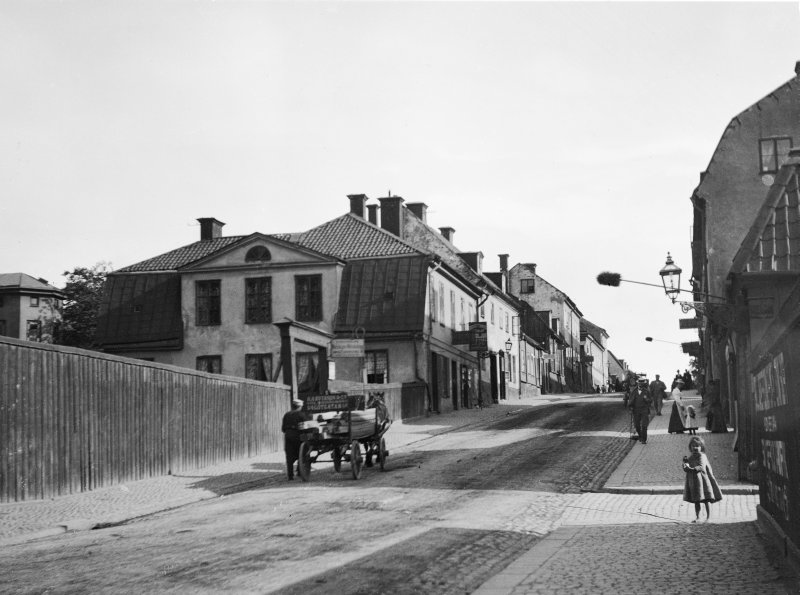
{"points": [[679, 381]]}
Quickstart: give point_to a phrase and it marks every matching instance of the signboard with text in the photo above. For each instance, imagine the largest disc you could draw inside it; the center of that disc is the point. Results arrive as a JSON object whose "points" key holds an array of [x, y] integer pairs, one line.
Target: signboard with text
{"points": [[347, 348], [478, 337], [332, 402]]}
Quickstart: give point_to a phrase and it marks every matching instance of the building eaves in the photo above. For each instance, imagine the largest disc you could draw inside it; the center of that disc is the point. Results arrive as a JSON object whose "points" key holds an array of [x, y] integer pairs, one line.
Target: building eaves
{"points": [[180, 257], [23, 282]]}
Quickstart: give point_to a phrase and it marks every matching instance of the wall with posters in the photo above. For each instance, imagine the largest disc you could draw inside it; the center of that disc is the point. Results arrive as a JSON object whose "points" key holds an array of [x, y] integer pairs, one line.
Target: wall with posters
{"points": [[777, 413]]}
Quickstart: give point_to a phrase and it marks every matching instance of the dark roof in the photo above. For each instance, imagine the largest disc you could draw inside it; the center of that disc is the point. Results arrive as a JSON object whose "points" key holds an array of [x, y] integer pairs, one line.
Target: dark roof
{"points": [[383, 295], [350, 236], [22, 282], [141, 312], [175, 259], [773, 241]]}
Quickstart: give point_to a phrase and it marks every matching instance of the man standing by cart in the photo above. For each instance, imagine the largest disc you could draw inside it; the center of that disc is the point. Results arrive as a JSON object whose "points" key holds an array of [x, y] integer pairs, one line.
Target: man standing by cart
{"points": [[290, 426]]}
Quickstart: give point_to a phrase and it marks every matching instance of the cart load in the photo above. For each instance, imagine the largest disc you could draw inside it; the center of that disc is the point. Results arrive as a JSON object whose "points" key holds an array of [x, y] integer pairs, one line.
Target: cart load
{"points": [[339, 427]]}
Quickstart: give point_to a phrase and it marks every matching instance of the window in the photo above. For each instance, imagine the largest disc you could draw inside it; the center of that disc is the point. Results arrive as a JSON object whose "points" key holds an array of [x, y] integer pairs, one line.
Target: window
{"points": [[308, 297], [210, 363], [34, 331], [258, 366], [491, 314], [483, 311], [452, 309], [434, 302], [257, 254], [34, 301], [527, 285], [377, 364], [508, 325], [441, 304], [258, 300], [500, 318], [207, 299], [774, 153], [463, 325]]}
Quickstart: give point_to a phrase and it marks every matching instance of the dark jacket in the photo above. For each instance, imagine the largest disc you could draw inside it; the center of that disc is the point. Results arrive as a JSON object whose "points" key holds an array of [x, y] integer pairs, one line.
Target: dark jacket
{"points": [[641, 400], [289, 425]]}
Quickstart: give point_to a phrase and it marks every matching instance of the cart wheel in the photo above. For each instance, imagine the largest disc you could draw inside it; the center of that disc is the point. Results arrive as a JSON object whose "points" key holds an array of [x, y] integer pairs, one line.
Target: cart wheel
{"points": [[356, 460], [382, 454], [337, 458], [304, 461]]}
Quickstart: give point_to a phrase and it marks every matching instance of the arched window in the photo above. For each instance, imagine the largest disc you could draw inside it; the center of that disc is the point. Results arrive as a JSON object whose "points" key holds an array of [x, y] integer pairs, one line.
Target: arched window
{"points": [[257, 254]]}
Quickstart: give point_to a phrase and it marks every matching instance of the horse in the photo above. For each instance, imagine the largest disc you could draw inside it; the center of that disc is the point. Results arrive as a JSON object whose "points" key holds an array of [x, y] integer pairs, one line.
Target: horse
{"points": [[376, 400]]}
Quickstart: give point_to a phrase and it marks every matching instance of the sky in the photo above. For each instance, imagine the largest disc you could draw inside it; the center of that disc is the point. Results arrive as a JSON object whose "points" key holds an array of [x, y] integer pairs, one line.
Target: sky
{"points": [[568, 134]]}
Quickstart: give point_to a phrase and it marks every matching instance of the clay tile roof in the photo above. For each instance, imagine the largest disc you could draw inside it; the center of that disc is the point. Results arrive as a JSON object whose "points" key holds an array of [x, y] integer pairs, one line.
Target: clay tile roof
{"points": [[175, 259], [350, 237]]}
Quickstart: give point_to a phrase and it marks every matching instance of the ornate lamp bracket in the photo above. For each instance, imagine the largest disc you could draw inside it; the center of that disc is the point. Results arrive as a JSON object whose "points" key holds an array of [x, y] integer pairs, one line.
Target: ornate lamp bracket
{"points": [[721, 315]]}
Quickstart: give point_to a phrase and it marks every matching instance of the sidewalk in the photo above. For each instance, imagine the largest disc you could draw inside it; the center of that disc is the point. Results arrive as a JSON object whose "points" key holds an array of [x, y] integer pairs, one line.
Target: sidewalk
{"points": [[24, 521], [637, 533]]}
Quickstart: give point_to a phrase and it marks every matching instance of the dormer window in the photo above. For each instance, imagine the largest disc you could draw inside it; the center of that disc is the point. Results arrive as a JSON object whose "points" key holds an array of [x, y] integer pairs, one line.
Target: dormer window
{"points": [[774, 153], [258, 254]]}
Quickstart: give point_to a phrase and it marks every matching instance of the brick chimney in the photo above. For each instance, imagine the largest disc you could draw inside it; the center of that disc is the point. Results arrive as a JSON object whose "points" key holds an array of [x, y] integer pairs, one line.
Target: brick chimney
{"points": [[210, 228], [797, 68], [474, 260], [372, 213], [392, 214], [357, 202], [420, 209], [503, 262], [447, 233]]}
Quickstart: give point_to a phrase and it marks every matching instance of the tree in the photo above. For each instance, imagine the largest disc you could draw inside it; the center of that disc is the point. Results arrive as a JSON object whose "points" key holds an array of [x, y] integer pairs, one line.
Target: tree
{"points": [[84, 292]]}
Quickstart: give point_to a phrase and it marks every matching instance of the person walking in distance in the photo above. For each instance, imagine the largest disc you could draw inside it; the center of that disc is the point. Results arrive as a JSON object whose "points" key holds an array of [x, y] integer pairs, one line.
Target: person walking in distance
{"points": [[640, 404], [701, 486], [658, 391], [676, 418], [290, 426]]}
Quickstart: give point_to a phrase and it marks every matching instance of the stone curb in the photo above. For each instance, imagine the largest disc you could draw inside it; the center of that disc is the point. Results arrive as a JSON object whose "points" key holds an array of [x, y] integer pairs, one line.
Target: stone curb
{"points": [[733, 490]]}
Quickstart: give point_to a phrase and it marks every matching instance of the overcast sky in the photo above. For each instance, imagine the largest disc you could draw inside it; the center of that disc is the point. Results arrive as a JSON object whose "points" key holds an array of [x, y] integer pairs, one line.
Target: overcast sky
{"points": [[570, 135]]}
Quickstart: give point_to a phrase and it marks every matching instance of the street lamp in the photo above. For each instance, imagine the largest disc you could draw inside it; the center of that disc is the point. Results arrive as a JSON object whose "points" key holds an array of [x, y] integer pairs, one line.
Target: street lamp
{"points": [[671, 278], [509, 345]]}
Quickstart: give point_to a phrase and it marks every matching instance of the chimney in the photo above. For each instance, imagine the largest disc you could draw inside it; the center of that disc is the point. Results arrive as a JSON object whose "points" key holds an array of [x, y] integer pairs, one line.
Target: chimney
{"points": [[797, 68], [357, 202], [447, 232], [474, 260], [372, 211], [503, 263], [210, 228], [420, 209], [392, 214]]}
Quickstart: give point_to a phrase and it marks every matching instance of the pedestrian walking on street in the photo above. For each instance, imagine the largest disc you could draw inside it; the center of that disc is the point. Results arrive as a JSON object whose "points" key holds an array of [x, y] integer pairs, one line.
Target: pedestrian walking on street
{"points": [[701, 486], [640, 405], [290, 426], [658, 391], [691, 420], [676, 417]]}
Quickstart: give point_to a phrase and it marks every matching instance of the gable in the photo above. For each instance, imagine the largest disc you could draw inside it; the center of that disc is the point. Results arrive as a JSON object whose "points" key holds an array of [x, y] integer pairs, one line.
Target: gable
{"points": [[773, 242], [259, 250]]}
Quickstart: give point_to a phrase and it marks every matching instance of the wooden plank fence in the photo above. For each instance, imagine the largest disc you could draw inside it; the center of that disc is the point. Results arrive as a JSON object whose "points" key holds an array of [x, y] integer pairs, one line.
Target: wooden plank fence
{"points": [[73, 420]]}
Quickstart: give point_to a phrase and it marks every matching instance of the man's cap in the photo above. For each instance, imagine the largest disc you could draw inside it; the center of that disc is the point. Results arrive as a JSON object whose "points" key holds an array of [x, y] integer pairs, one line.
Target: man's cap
{"points": [[297, 402], [642, 381]]}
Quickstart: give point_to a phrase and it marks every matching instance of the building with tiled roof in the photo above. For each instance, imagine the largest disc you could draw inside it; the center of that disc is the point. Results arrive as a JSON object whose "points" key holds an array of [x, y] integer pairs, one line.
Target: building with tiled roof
{"points": [[30, 308], [255, 306]]}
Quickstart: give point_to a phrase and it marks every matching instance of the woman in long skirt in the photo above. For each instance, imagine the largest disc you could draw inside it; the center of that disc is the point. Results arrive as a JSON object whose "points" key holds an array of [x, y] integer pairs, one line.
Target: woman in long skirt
{"points": [[676, 425]]}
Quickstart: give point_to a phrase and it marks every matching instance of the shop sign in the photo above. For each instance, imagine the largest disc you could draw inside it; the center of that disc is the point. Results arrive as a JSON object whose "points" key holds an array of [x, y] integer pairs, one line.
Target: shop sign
{"points": [[347, 348], [478, 337]]}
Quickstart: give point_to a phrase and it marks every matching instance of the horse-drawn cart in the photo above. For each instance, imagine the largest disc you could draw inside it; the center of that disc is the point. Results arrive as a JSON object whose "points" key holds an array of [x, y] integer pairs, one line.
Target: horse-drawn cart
{"points": [[337, 426]]}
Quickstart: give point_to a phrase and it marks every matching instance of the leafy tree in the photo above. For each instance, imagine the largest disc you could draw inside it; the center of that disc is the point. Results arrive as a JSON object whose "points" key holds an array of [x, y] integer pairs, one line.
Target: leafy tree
{"points": [[84, 291]]}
